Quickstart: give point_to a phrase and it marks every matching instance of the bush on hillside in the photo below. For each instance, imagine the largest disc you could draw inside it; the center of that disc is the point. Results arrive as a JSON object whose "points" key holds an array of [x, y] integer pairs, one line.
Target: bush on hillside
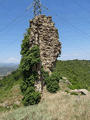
{"points": [[31, 98], [52, 86], [52, 82]]}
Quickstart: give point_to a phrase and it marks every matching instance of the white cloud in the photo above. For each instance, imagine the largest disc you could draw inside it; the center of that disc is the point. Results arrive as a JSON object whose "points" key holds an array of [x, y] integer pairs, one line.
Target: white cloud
{"points": [[13, 60]]}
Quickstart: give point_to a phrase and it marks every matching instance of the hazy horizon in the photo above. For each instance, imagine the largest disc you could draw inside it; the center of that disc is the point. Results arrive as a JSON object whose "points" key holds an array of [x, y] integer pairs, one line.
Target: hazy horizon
{"points": [[15, 63]]}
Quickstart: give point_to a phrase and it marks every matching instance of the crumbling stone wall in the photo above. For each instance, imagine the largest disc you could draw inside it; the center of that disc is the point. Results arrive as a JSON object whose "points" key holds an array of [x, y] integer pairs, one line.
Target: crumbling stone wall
{"points": [[44, 34]]}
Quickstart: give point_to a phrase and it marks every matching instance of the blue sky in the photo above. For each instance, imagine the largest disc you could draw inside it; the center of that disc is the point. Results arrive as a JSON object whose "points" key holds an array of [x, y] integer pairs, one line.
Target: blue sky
{"points": [[71, 17]]}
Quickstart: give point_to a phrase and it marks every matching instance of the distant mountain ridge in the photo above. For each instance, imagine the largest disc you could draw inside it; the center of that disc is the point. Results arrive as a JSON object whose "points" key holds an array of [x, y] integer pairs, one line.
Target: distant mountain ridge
{"points": [[7, 67], [8, 64]]}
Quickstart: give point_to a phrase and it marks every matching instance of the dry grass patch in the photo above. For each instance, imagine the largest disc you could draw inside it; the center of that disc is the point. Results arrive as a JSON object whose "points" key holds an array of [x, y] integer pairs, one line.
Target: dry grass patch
{"points": [[60, 106]]}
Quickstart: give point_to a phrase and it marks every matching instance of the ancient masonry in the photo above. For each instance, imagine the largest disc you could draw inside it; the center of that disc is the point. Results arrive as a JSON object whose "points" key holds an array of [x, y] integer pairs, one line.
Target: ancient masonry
{"points": [[45, 35]]}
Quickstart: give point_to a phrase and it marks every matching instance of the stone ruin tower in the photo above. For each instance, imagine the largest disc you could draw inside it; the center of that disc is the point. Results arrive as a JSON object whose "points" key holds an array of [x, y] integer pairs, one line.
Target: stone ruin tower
{"points": [[45, 35]]}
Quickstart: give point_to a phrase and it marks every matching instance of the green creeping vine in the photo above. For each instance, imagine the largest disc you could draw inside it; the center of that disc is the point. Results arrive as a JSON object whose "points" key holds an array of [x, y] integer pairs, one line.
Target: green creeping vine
{"points": [[30, 58]]}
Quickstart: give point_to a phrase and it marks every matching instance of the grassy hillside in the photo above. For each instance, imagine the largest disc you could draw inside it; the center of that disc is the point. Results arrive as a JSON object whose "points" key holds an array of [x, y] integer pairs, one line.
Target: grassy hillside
{"points": [[77, 72], [7, 86]]}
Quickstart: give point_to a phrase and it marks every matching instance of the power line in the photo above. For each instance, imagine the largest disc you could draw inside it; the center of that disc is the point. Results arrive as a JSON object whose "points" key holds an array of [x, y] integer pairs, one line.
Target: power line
{"points": [[84, 9], [13, 41], [78, 29], [66, 20], [14, 20], [36, 9], [7, 11], [19, 20], [57, 15], [72, 25]]}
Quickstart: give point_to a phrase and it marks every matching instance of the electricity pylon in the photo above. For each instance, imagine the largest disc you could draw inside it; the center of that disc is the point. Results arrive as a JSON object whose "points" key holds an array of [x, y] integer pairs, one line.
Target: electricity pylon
{"points": [[37, 7]]}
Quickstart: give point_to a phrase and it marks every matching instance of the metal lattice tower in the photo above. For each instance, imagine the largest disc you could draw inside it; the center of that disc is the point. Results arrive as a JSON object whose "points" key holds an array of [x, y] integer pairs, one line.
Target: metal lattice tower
{"points": [[36, 7]]}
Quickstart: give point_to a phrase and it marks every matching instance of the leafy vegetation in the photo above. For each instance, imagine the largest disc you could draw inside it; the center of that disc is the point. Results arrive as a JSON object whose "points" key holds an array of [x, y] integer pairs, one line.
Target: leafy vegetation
{"points": [[76, 71], [73, 93], [30, 59], [52, 83]]}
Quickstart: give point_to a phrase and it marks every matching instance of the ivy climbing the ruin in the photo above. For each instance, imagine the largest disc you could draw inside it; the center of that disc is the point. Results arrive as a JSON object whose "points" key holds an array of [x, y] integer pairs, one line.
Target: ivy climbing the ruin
{"points": [[30, 58]]}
